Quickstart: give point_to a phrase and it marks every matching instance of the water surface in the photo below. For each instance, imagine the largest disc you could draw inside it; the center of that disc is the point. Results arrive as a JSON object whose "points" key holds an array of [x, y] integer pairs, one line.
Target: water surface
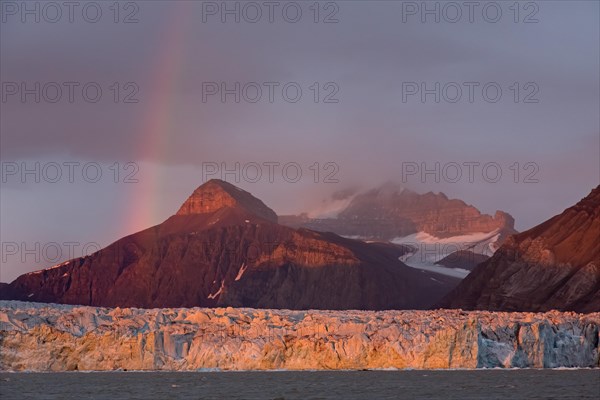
{"points": [[463, 385]]}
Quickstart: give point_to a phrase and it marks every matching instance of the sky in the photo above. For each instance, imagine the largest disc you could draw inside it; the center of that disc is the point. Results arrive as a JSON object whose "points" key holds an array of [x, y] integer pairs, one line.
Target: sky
{"points": [[111, 115]]}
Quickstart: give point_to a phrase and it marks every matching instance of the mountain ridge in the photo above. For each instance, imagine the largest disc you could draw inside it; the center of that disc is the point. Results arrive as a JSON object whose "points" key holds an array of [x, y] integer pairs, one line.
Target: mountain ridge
{"points": [[222, 248], [391, 211]]}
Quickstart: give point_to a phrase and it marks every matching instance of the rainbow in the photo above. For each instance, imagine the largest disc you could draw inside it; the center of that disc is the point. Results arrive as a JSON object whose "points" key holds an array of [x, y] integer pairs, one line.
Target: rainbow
{"points": [[157, 123]]}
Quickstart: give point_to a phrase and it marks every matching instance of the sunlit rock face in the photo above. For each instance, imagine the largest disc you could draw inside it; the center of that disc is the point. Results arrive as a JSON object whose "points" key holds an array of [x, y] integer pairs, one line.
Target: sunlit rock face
{"points": [[42, 337], [216, 194], [554, 265]]}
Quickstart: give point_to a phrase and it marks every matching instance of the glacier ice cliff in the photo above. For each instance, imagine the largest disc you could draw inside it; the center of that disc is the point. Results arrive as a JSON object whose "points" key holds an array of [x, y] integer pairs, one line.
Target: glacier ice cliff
{"points": [[51, 337]]}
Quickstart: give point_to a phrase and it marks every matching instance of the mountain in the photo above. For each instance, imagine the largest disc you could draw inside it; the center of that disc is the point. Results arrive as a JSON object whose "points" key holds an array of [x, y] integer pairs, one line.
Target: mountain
{"points": [[224, 248], [390, 211], [555, 265], [444, 235]]}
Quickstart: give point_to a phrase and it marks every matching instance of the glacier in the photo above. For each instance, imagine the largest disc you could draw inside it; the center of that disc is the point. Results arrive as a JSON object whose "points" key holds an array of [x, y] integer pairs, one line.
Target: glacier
{"points": [[427, 250], [53, 337]]}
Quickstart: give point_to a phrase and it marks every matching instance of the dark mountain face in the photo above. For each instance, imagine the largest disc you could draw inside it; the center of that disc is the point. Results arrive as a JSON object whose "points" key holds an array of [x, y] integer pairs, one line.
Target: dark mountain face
{"points": [[555, 265], [465, 259], [224, 248], [390, 211]]}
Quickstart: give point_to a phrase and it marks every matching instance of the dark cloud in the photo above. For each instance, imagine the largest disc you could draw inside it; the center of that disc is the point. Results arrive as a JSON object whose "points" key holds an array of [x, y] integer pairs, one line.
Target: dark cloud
{"points": [[367, 134]]}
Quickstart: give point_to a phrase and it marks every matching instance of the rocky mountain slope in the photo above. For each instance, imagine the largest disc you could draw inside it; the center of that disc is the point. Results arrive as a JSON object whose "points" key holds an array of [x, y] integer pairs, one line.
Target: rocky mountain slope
{"points": [[555, 265], [42, 337], [224, 248], [390, 211], [463, 259]]}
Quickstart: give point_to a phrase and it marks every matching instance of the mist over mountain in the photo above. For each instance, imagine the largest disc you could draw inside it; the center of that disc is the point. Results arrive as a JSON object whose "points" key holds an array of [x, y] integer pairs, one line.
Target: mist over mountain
{"points": [[390, 211]]}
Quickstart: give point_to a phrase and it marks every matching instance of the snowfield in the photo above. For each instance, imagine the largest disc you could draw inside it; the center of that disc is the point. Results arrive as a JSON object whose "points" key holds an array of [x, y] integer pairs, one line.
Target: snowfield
{"points": [[50, 337]]}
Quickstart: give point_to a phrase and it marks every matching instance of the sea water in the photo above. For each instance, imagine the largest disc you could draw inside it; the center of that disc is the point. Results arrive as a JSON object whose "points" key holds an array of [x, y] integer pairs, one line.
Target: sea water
{"points": [[412, 384]]}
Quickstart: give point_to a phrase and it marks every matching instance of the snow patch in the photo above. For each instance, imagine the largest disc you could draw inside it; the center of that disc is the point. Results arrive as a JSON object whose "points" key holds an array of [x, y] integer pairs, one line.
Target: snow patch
{"points": [[241, 271], [214, 295], [453, 272]]}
